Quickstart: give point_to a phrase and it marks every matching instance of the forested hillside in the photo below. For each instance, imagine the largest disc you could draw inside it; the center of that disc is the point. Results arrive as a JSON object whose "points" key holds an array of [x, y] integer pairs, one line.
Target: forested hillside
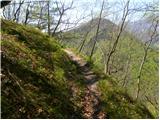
{"points": [[125, 64], [79, 59]]}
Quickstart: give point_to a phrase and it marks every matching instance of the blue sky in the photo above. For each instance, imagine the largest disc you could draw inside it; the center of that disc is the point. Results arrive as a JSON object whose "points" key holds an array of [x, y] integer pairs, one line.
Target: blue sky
{"points": [[112, 11], [84, 7]]}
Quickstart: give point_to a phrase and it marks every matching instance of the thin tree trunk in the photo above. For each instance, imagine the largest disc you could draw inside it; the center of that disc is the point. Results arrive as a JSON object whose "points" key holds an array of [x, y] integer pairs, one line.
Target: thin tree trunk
{"points": [[9, 12], [85, 38], [17, 13], [97, 31], [105, 64], [127, 66], [14, 8], [49, 30], [61, 10], [40, 18], [59, 21], [140, 73], [125, 13], [27, 15], [126, 73], [83, 42], [60, 18], [143, 61]]}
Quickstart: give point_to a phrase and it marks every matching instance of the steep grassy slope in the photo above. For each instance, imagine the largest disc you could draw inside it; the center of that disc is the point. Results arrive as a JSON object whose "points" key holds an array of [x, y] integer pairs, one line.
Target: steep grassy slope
{"points": [[37, 76], [40, 81]]}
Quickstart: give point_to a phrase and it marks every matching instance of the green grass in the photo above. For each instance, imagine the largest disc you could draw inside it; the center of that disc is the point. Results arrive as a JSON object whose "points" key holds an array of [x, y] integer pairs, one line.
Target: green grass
{"points": [[118, 104], [37, 76]]}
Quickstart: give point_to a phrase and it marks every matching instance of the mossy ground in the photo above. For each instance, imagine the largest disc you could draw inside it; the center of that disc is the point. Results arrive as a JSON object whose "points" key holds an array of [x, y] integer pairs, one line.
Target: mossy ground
{"points": [[36, 76]]}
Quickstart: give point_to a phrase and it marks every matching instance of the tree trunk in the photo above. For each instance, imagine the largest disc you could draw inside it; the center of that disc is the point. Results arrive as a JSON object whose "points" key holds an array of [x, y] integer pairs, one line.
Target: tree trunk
{"points": [[85, 37], [125, 13], [95, 40], [49, 30], [17, 13], [144, 60], [27, 15]]}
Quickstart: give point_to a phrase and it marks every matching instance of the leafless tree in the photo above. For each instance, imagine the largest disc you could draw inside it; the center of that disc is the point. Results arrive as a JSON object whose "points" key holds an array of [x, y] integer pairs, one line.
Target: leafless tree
{"points": [[14, 7], [40, 15], [49, 23], [113, 49], [17, 13], [27, 14], [86, 34], [61, 10], [146, 49], [97, 31]]}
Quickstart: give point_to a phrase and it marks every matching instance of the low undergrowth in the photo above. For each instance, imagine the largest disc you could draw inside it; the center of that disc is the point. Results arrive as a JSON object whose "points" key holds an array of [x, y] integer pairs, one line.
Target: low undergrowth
{"points": [[37, 76]]}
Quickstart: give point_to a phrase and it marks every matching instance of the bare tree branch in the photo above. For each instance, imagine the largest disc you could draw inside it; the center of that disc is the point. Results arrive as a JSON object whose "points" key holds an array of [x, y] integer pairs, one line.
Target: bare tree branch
{"points": [[5, 3]]}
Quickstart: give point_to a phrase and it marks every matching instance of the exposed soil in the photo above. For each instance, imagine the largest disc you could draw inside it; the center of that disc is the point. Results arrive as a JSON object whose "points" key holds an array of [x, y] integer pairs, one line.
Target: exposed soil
{"points": [[92, 108]]}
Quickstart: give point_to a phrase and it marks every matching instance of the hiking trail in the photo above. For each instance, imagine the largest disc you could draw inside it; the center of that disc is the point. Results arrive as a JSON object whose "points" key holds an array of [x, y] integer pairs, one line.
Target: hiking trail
{"points": [[92, 108]]}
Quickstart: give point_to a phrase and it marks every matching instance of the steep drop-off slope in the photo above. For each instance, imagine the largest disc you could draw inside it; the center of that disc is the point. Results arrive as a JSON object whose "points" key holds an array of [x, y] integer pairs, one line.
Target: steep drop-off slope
{"points": [[40, 80]]}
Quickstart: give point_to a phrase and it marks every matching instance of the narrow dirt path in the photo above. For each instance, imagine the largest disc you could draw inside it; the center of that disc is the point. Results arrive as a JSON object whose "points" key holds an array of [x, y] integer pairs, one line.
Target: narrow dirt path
{"points": [[92, 108]]}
